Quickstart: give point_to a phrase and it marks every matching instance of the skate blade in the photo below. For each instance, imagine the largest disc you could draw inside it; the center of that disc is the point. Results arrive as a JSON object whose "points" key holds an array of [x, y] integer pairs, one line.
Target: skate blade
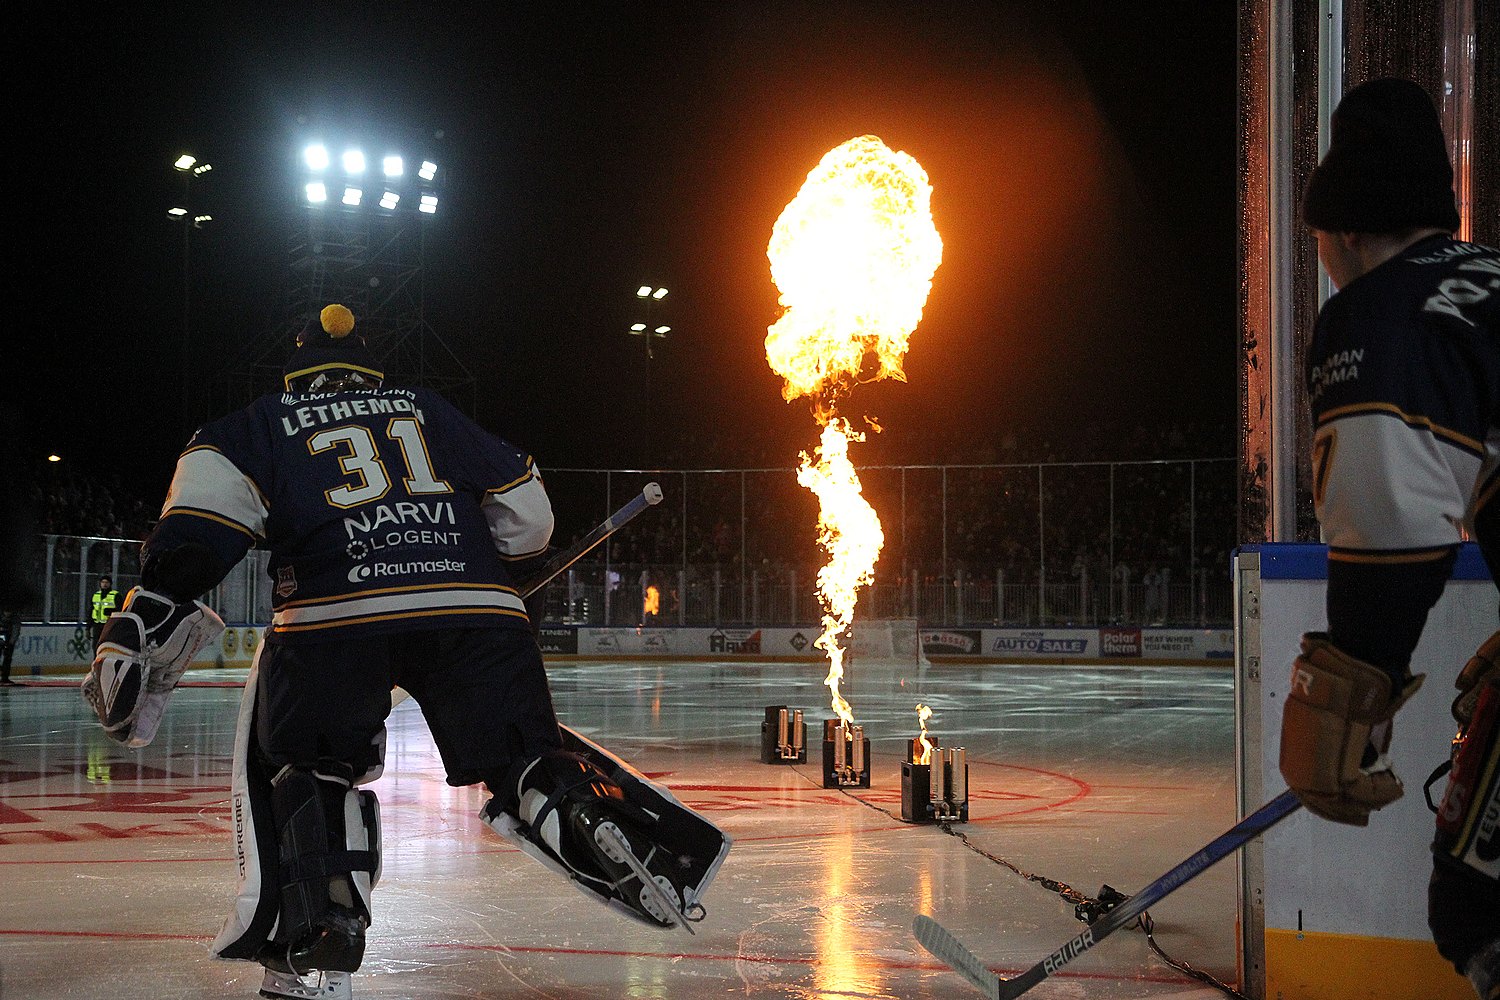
{"points": [[616, 847]]}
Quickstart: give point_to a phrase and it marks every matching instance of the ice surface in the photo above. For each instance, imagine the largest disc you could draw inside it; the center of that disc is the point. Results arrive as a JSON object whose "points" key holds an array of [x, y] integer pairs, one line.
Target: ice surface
{"points": [[116, 870]]}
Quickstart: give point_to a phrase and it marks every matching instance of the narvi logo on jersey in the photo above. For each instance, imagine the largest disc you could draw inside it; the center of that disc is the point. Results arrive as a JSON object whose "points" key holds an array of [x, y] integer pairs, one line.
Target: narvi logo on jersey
{"points": [[402, 513]]}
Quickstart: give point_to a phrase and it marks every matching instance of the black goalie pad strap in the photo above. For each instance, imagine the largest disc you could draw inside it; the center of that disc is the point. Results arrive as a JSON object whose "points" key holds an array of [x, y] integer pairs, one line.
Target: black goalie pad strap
{"points": [[315, 866]]}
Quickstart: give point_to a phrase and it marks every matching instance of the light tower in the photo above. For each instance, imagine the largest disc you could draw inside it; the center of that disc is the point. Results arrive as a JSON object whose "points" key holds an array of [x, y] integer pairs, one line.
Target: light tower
{"points": [[190, 217], [358, 237]]}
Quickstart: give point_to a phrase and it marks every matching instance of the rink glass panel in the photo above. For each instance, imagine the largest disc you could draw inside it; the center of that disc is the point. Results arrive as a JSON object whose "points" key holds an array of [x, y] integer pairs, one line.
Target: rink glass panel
{"points": [[1003, 545]]}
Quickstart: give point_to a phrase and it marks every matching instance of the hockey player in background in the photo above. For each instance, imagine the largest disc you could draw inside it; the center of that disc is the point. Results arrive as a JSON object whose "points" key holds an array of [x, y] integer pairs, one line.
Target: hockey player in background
{"points": [[398, 532], [1404, 382]]}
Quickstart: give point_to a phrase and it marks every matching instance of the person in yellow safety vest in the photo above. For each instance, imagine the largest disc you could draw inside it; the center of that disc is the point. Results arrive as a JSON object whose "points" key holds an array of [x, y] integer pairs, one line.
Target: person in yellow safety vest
{"points": [[106, 602]]}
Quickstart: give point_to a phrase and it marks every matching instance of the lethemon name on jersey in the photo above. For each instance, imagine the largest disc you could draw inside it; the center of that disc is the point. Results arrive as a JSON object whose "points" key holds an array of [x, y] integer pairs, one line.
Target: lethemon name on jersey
{"points": [[318, 414]]}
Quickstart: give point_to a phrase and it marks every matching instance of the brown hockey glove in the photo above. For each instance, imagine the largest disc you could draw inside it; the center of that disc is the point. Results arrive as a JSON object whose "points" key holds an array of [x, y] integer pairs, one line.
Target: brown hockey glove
{"points": [[1335, 731], [1485, 663]]}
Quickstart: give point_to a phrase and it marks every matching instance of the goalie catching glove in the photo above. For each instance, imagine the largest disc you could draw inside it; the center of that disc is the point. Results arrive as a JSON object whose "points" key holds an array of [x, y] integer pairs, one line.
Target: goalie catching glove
{"points": [[1335, 730], [143, 651]]}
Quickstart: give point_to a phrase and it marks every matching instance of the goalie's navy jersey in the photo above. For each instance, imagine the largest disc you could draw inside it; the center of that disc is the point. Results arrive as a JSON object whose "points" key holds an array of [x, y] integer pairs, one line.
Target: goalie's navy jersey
{"points": [[1403, 377], [384, 510]]}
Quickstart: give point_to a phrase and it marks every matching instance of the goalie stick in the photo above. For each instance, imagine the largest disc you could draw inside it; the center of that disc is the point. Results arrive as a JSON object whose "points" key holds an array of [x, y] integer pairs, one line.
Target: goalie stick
{"points": [[649, 496], [936, 939]]}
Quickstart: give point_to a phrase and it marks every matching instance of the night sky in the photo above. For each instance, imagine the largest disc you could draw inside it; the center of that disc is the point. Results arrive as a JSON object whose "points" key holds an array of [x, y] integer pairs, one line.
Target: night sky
{"points": [[1082, 160]]}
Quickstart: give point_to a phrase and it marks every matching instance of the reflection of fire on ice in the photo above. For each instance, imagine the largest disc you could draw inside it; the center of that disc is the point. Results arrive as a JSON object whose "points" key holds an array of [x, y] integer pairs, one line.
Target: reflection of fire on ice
{"points": [[853, 256]]}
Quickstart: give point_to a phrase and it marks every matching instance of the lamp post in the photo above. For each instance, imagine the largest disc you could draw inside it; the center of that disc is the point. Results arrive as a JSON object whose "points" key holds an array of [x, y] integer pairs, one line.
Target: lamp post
{"points": [[649, 331], [189, 166]]}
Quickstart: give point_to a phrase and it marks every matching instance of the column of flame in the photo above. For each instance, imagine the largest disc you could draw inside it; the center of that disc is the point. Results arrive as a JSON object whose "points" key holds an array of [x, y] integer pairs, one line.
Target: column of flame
{"points": [[923, 714], [853, 256]]}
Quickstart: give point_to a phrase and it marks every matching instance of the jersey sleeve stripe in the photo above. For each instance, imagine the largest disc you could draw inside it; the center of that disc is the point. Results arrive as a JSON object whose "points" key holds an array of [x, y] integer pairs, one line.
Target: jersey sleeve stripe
{"points": [[1469, 444], [521, 480], [364, 608], [1387, 558], [524, 555], [210, 516], [417, 589], [207, 481], [313, 627]]}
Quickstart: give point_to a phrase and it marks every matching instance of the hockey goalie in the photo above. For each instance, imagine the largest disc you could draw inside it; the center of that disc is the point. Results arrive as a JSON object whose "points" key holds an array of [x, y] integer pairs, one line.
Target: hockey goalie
{"points": [[438, 613]]}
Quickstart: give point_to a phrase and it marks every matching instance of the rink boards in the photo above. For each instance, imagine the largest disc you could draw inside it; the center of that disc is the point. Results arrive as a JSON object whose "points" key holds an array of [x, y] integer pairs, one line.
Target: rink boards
{"points": [[1329, 911], [48, 649]]}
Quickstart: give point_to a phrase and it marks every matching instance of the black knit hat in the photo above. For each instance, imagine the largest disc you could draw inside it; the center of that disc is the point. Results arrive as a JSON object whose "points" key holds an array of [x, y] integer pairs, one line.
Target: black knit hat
{"points": [[328, 344], [1387, 169]]}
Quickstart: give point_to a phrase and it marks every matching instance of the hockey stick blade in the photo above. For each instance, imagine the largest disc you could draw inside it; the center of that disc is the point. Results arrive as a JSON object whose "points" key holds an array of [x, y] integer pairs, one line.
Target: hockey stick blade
{"points": [[936, 939], [945, 946]]}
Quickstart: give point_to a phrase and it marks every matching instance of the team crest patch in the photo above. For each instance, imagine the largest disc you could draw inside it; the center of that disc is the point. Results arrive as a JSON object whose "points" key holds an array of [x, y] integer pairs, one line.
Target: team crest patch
{"points": [[286, 581]]}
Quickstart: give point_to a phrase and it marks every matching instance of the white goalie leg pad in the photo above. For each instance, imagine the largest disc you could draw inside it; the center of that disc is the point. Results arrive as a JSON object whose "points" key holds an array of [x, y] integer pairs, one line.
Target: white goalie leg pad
{"points": [[143, 652], [362, 833], [252, 920]]}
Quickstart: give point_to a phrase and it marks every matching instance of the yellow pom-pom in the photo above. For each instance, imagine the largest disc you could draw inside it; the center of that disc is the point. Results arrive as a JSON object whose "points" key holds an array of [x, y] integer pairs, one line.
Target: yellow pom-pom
{"points": [[337, 320]]}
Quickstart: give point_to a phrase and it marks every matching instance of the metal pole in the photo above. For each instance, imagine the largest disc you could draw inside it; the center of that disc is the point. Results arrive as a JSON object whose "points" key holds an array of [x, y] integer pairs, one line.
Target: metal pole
{"points": [[682, 585], [905, 563], [945, 545], [187, 284], [742, 545], [1041, 548], [1282, 232], [47, 589], [1193, 532], [609, 505], [1112, 616]]}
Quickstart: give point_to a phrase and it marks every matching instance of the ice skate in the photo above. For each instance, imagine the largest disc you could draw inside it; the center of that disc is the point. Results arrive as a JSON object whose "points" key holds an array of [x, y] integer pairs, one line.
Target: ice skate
{"points": [[644, 883], [313, 986], [650, 864]]}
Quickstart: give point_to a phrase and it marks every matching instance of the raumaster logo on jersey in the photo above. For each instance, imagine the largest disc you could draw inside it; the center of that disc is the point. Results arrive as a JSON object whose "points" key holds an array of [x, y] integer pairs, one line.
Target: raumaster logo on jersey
{"points": [[734, 641], [951, 642], [1120, 642], [1042, 643]]}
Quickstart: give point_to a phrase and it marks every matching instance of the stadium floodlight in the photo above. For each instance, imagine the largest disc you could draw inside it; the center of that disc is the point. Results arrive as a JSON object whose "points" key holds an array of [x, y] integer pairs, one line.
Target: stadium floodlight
{"points": [[659, 294], [428, 171], [643, 291], [393, 166], [316, 156], [199, 220], [354, 161], [185, 161], [54, 458], [202, 169], [317, 192], [177, 213], [638, 328], [427, 204], [352, 195], [390, 200], [663, 330]]}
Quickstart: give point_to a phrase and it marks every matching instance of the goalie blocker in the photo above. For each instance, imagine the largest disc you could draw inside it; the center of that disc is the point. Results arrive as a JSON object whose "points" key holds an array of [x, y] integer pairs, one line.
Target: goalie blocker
{"points": [[143, 651]]}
